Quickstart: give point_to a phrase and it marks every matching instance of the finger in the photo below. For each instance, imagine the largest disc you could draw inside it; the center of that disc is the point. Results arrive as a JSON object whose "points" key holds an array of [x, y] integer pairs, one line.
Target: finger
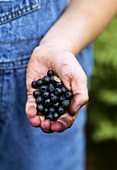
{"points": [[63, 123], [46, 124], [80, 91], [77, 102], [35, 121], [30, 107]]}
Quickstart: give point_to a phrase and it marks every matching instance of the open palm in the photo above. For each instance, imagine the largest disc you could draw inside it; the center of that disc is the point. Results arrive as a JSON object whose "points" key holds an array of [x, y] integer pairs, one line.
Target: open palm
{"points": [[66, 67]]}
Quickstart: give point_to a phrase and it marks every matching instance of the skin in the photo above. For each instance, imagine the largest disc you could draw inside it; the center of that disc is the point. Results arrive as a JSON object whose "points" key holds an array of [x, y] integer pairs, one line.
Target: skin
{"points": [[80, 24]]}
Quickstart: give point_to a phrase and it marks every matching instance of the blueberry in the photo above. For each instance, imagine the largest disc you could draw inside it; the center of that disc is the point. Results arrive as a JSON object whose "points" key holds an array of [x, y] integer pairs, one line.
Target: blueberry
{"points": [[40, 108], [56, 105], [61, 98], [46, 111], [58, 91], [54, 99], [55, 116], [51, 87], [69, 95], [65, 103], [51, 110], [64, 90], [34, 84], [49, 116], [50, 73], [39, 99], [52, 79], [46, 95], [47, 102], [39, 83], [36, 93], [43, 88], [46, 79], [61, 110], [52, 94], [59, 84]]}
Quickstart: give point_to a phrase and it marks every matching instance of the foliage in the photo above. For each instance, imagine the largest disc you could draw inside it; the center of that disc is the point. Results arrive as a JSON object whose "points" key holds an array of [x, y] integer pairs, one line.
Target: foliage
{"points": [[102, 107]]}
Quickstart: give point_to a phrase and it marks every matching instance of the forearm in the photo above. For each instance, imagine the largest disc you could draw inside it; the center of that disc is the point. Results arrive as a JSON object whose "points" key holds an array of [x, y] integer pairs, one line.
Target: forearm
{"points": [[80, 24]]}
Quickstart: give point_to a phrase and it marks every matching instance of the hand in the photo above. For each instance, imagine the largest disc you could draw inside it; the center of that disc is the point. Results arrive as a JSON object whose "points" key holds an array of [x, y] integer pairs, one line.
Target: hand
{"points": [[66, 67]]}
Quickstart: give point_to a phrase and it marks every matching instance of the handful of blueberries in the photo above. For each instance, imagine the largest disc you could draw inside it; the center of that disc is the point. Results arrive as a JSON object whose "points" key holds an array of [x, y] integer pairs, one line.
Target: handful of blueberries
{"points": [[52, 98]]}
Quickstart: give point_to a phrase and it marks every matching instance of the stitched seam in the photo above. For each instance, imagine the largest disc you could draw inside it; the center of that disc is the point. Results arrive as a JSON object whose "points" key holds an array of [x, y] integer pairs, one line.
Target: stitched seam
{"points": [[13, 67], [19, 60], [14, 64], [14, 42], [21, 10], [1, 90], [17, 16]]}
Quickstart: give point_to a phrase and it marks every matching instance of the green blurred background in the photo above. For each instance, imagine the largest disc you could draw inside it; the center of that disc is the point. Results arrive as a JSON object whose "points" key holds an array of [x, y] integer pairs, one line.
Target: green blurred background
{"points": [[101, 128]]}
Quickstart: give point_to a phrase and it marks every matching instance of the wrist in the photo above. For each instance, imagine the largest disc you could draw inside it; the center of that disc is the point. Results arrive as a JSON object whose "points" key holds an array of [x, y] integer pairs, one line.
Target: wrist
{"points": [[58, 44]]}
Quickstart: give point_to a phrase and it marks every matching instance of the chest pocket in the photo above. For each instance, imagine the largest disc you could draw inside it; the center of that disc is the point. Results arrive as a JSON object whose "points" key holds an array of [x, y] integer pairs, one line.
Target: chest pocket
{"points": [[11, 9]]}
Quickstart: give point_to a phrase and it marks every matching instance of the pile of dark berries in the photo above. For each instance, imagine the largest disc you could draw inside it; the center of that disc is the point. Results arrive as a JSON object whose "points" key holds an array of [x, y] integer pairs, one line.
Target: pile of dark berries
{"points": [[52, 98]]}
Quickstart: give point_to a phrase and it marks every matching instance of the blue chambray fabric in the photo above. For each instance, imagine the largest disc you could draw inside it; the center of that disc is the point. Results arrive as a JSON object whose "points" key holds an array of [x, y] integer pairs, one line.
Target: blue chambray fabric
{"points": [[23, 23]]}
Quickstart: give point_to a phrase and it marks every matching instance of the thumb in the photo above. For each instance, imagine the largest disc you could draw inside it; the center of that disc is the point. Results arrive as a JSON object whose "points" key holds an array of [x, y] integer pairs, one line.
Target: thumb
{"points": [[77, 102], [30, 104], [80, 92]]}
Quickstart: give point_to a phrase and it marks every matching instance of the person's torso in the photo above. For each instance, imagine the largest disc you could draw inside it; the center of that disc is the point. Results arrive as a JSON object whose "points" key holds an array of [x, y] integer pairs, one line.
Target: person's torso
{"points": [[23, 23]]}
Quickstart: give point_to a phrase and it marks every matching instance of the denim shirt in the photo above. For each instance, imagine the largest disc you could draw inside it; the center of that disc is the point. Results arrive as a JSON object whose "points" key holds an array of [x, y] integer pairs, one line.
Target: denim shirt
{"points": [[23, 23]]}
